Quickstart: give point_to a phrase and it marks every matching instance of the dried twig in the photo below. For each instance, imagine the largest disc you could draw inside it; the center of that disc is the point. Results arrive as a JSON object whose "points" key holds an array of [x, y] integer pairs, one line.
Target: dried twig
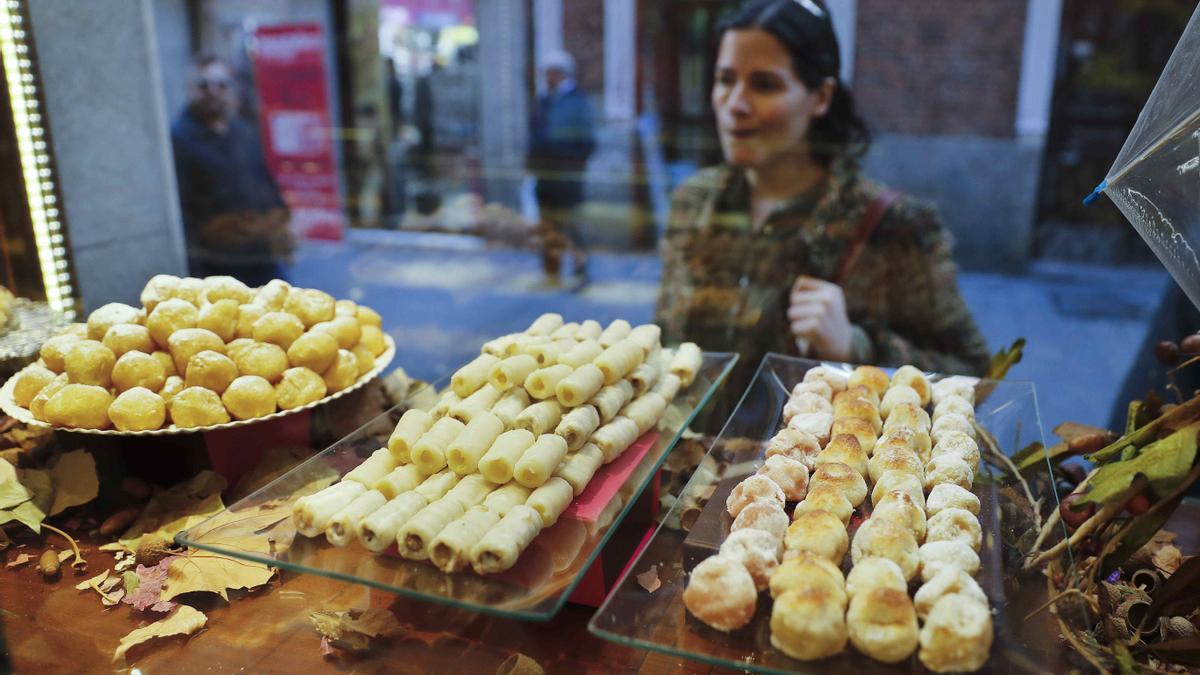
{"points": [[1100, 518], [78, 563], [1056, 516], [990, 443]]}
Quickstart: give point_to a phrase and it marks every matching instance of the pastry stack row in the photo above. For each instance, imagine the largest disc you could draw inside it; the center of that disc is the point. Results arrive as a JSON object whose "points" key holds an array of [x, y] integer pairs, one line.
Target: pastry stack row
{"points": [[847, 438], [515, 438]]}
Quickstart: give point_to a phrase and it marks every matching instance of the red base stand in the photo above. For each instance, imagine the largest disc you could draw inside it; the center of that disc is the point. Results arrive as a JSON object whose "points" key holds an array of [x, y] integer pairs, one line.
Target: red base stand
{"points": [[233, 452]]}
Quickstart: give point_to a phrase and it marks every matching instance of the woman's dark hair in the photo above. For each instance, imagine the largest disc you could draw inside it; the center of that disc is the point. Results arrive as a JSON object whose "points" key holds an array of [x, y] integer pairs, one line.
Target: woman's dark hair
{"points": [[805, 30]]}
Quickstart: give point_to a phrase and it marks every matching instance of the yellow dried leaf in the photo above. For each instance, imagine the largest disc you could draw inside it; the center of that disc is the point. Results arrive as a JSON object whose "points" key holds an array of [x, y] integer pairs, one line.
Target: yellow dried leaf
{"points": [[184, 621], [8, 472], [94, 581], [649, 579], [353, 629], [21, 559], [177, 509], [75, 481], [215, 573]]}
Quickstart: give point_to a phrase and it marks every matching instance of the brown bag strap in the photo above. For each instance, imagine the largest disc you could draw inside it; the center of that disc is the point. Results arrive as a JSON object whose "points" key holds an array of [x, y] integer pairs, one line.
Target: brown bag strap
{"points": [[866, 227]]}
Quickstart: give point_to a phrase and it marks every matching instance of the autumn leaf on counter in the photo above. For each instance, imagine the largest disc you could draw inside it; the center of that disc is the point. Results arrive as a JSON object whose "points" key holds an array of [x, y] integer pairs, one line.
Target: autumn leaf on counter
{"points": [[178, 508], [94, 581], [144, 591], [184, 621], [74, 479], [25, 495], [353, 629], [649, 579], [207, 570], [21, 559]]}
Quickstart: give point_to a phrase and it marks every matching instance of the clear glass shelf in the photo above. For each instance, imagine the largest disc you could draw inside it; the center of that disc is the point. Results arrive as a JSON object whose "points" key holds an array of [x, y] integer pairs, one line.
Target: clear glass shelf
{"points": [[697, 524], [534, 589]]}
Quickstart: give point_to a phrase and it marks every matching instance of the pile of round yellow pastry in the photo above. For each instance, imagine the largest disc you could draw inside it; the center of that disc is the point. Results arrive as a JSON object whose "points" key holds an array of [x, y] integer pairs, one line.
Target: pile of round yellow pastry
{"points": [[200, 352]]}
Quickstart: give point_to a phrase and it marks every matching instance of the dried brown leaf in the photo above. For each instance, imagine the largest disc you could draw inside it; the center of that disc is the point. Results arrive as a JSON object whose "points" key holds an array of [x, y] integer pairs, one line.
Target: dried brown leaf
{"points": [[1167, 558], [353, 629], [184, 621], [649, 579], [177, 509], [21, 559], [75, 481]]}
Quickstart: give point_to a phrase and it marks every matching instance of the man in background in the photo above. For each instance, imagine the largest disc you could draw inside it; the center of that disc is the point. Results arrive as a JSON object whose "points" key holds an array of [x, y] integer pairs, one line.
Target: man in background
{"points": [[234, 218], [561, 140]]}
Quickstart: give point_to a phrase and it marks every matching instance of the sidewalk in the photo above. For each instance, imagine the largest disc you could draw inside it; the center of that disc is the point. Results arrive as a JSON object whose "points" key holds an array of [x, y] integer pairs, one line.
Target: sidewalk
{"points": [[1083, 324]]}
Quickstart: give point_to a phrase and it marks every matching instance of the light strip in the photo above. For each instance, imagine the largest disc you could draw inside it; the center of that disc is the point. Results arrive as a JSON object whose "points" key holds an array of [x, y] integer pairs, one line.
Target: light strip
{"points": [[35, 160]]}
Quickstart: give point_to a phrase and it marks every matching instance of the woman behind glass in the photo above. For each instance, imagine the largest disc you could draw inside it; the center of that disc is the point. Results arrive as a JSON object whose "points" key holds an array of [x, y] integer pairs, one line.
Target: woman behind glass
{"points": [[786, 247]]}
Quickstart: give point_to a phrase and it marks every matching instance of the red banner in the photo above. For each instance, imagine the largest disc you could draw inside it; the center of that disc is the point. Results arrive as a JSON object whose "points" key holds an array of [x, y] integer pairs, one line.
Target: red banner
{"points": [[289, 72]]}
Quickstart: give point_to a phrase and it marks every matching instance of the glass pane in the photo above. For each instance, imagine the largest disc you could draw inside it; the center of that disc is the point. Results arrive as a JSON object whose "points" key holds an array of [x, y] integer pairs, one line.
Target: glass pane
{"points": [[698, 523], [535, 588]]}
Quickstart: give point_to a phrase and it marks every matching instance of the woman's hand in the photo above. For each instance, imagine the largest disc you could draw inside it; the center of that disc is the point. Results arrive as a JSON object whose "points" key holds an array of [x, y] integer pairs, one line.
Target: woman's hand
{"points": [[817, 315]]}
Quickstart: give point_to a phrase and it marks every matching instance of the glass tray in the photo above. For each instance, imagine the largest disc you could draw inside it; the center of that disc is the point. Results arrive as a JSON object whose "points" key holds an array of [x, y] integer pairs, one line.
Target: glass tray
{"points": [[698, 523], [534, 589]]}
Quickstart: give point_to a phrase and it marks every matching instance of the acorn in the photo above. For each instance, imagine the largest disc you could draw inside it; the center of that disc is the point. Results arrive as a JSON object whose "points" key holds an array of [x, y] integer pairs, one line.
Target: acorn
{"points": [[48, 564], [1070, 516], [1190, 345], [1167, 353], [151, 549]]}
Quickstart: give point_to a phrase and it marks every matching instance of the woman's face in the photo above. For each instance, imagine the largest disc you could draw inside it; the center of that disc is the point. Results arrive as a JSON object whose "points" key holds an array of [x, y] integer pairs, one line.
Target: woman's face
{"points": [[763, 109]]}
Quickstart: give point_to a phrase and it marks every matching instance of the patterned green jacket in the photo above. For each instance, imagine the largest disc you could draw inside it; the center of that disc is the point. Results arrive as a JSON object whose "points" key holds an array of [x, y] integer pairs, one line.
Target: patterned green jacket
{"points": [[725, 285]]}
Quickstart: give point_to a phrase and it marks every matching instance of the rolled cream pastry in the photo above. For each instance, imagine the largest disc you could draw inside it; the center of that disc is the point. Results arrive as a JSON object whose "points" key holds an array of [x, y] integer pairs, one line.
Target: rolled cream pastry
{"points": [[538, 463], [613, 438], [609, 400], [471, 490], [481, 401], [541, 417], [510, 405], [378, 465], [577, 426], [502, 499], [465, 451], [547, 353], [541, 383], [412, 425], [566, 331], [686, 362], [545, 324], [472, 376], [619, 360], [524, 344], [615, 332], [503, 544], [400, 480], [499, 462], [498, 346], [589, 330], [551, 499], [414, 537], [447, 401], [312, 513], [583, 352], [451, 548], [645, 411], [646, 336], [644, 377], [582, 384], [429, 452], [512, 371], [437, 485], [377, 531], [343, 526], [579, 467], [667, 386]]}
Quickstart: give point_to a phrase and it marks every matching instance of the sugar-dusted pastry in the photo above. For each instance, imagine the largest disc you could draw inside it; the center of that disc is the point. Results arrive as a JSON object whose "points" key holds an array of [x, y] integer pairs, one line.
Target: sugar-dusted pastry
{"points": [[908, 415], [186, 343], [264, 359], [309, 305], [545, 324], [298, 387], [819, 533], [343, 372], [372, 469], [801, 569], [278, 328], [894, 458], [171, 386], [170, 316], [803, 404], [429, 452], [378, 530], [898, 480], [907, 437], [883, 624], [314, 350], [951, 422], [958, 385], [816, 424], [954, 404], [313, 512], [481, 400], [858, 391], [960, 444], [614, 332], [540, 460], [798, 445], [37, 406], [645, 411], [609, 400], [858, 408], [949, 495], [107, 316], [540, 418], [579, 467], [808, 624], [885, 538], [211, 370], [817, 387], [345, 308], [836, 379], [220, 317], [510, 405], [949, 580], [168, 364], [954, 524], [826, 498], [54, 351], [788, 474], [620, 359], [343, 527], [862, 430], [29, 382], [468, 447], [504, 498], [913, 378], [197, 407], [502, 545], [128, 337], [217, 288], [948, 468], [721, 593], [499, 462], [160, 287], [191, 289], [957, 635], [272, 294], [90, 362], [403, 478], [870, 573], [764, 515], [757, 551], [345, 329], [752, 489], [450, 550], [686, 362], [842, 478], [953, 554], [896, 395], [900, 507], [247, 314], [843, 449], [615, 437], [577, 426], [137, 409], [645, 376]]}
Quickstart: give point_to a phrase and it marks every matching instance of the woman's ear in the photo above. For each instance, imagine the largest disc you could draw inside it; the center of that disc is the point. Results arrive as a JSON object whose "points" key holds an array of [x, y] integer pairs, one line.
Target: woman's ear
{"points": [[825, 96]]}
